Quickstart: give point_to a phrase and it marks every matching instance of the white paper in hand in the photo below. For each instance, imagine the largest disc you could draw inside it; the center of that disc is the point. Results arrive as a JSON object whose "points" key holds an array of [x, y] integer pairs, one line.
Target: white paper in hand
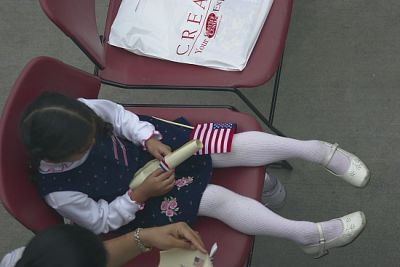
{"points": [[184, 258]]}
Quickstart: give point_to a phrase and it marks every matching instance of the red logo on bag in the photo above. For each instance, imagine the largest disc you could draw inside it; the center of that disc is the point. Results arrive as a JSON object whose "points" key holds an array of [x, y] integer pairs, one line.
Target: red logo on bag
{"points": [[211, 25]]}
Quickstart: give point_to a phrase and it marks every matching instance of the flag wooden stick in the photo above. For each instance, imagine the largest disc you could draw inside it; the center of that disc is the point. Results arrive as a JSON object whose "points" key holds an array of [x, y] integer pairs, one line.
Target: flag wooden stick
{"points": [[174, 123]]}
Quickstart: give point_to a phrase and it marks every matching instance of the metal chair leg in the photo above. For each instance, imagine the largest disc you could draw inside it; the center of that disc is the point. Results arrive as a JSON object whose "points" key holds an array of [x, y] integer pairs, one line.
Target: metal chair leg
{"points": [[250, 255], [275, 92]]}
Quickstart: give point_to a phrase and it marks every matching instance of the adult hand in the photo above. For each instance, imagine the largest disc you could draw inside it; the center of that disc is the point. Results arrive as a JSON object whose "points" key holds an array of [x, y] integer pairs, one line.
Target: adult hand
{"points": [[157, 183], [157, 148], [177, 235]]}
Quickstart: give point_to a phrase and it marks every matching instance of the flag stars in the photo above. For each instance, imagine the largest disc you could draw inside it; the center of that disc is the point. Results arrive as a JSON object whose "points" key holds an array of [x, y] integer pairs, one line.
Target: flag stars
{"points": [[216, 137]]}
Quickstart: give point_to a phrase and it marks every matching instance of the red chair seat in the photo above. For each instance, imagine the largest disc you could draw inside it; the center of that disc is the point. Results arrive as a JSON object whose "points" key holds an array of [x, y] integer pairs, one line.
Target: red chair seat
{"points": [[129, 69], [245, 181]]}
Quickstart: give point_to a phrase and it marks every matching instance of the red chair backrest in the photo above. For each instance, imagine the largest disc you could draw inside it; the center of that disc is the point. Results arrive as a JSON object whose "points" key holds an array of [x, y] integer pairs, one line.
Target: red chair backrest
{"points": [[77, 19], [17, 191]]}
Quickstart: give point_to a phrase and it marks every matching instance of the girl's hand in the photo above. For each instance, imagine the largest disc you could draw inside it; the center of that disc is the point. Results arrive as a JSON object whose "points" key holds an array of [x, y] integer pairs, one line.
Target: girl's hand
{"points": [[157, 183], [157, 148]]}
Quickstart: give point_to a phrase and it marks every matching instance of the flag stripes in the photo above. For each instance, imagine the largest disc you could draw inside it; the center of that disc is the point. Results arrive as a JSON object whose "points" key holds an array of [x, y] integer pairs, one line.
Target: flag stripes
{"points": [[216, 137]]}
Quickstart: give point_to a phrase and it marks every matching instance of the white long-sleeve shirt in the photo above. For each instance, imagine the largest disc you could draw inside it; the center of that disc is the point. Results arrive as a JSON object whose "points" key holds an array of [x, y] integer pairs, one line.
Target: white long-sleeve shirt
{"points": [[100, 216]]}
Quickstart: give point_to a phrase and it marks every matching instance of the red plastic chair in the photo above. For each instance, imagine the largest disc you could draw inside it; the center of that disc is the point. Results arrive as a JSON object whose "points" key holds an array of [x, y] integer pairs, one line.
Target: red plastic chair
{"points": [[76, 18], [20, 197]]}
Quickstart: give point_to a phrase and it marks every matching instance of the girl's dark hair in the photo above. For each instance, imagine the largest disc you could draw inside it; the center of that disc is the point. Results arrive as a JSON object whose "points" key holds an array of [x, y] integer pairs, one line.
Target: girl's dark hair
{"points": [[55, 127], [64, 246]]}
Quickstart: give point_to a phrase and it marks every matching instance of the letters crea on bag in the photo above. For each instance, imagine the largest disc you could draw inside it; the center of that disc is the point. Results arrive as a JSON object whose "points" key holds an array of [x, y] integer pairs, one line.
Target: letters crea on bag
{"points": [[218, 34]]}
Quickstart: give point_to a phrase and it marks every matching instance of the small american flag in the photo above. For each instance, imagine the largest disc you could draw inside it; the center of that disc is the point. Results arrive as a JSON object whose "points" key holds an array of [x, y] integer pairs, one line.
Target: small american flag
{"points": [[216, 137], [198, 262]]}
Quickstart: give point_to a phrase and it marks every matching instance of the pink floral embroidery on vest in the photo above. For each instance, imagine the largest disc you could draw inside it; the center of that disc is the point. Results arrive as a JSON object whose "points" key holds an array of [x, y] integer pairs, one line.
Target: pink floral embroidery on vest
{"points": [[184, 181], [169, 207]]}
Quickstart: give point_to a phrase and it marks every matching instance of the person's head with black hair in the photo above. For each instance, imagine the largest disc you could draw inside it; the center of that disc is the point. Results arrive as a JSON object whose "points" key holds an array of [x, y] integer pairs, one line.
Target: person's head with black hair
{"points": [[57, 128], [64, 246]]}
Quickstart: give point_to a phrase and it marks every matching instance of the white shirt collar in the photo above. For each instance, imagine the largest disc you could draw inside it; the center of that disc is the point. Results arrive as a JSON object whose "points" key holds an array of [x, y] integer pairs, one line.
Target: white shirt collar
{"points": [[50, 167]]}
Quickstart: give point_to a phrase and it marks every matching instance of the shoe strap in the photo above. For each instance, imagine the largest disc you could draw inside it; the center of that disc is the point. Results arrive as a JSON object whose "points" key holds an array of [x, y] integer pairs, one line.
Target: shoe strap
{"points": [[321, 242], [329, 157]]}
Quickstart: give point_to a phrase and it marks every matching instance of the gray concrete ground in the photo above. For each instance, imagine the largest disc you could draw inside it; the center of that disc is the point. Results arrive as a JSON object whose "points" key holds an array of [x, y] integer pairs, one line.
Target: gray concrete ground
{"points": [[339, 84]]}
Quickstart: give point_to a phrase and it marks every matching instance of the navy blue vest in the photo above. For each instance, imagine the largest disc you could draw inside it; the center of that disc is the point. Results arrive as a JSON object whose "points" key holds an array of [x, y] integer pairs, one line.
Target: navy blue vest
{"points": [[107, 173]]}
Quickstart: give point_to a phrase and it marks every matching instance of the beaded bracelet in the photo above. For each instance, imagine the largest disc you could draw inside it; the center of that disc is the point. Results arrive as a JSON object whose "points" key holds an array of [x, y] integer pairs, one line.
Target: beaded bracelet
{"points": [[136, 236]]}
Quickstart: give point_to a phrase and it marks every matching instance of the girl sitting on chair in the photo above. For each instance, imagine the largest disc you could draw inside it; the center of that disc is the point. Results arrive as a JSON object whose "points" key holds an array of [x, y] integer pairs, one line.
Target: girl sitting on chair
{"points": [[84, 154]]}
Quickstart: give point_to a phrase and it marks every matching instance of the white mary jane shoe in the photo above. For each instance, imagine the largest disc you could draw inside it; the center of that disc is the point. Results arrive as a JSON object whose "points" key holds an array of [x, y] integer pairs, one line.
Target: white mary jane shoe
{"points": [[353, 224], [357, 174]]}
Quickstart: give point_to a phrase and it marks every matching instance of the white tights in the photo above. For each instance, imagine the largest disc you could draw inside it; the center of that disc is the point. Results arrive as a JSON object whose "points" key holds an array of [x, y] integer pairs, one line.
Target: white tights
{"points": [[259, 148], [251, 217]]}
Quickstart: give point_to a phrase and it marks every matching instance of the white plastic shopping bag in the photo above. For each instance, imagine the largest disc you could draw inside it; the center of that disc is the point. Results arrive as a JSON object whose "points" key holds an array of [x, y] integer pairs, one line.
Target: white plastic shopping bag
{"points": [[215, 33]]}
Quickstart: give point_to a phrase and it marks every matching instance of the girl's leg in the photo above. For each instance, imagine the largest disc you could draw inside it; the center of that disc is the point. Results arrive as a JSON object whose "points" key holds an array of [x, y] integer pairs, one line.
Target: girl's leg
{"points": [[251, 217], [260, 148]]}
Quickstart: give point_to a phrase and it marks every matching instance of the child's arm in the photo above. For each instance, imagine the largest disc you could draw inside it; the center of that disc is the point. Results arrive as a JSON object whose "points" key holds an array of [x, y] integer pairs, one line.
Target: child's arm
{"points": [[126, 123], [97, 216], [101, 216]]}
